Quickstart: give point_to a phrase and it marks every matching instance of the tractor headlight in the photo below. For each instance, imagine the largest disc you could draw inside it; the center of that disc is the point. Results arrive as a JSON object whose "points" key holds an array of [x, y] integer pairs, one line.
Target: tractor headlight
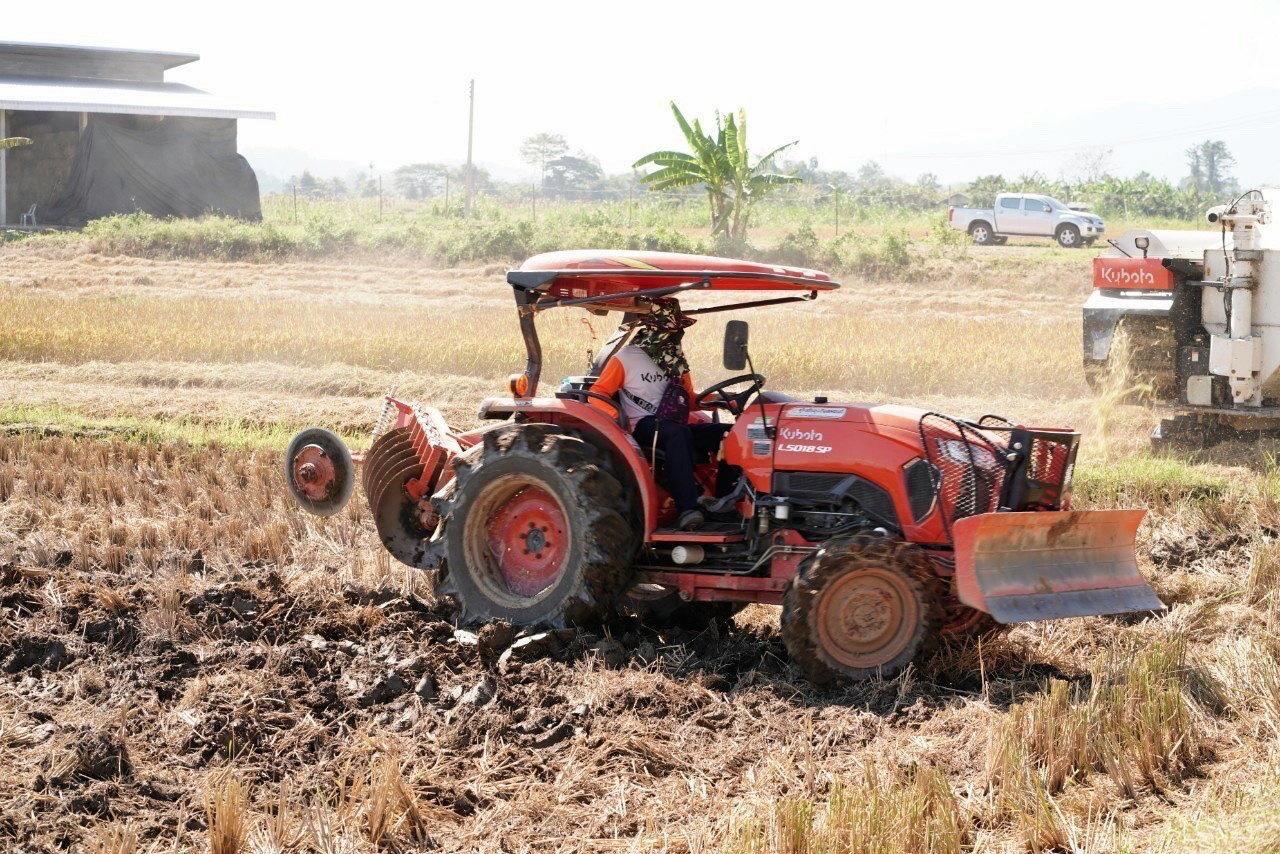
{"points": [[965, 453]]}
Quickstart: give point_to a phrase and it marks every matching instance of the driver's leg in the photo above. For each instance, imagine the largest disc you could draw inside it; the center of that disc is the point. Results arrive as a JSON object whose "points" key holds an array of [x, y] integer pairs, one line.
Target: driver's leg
{"points": [[707, 439], [677, 444]]}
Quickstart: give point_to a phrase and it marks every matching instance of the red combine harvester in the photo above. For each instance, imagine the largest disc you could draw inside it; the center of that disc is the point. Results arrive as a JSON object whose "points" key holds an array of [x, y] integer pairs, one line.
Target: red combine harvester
{"points": [[879, 529]]}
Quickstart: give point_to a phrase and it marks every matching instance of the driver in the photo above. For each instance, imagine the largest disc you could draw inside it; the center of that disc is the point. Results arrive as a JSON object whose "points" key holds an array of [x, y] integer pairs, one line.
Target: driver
{"points": [[651, 379]]}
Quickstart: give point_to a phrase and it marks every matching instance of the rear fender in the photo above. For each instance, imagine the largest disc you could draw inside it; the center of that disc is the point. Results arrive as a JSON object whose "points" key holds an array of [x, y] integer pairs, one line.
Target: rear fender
{"points": [[598, 425], [1020, 567]]}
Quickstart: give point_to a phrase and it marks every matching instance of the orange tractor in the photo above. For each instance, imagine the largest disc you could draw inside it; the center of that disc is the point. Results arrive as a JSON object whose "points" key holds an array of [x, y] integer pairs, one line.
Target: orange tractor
{"points": [[878, 529]]}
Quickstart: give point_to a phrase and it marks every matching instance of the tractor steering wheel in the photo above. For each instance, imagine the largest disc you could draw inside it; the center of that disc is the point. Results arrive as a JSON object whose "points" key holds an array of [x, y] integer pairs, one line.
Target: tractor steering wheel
{"points": [[735, 402]]}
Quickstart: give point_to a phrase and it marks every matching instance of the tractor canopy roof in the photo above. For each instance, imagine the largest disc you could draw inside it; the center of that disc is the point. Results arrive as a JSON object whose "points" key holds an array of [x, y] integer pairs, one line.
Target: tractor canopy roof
{"points": [[612, 278]]}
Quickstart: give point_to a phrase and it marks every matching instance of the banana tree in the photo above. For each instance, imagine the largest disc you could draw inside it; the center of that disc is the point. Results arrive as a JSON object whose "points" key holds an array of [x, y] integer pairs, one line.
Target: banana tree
{"points": [[722, 164]]}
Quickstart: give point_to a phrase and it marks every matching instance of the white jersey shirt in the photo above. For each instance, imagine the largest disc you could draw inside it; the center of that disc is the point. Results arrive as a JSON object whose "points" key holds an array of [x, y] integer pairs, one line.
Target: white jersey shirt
{"points": [[643, 386]]}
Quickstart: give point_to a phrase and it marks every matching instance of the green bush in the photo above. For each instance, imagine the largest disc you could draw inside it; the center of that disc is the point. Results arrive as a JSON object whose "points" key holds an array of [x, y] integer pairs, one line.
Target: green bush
{"points": [[885, 257]]}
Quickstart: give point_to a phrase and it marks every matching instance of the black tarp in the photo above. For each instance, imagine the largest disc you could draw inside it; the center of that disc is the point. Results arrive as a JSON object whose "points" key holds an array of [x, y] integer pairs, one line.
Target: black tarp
{"points": [[172, 168]]}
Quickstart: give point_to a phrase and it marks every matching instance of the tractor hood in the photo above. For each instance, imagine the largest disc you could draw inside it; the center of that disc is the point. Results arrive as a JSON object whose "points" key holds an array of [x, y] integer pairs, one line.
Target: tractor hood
{"points": [[889, 417], [825, 436]]}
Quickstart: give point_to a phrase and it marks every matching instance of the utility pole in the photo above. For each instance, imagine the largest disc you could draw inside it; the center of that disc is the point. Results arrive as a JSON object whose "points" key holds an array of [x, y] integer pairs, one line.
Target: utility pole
{"points": [[471, 127], [4, 170]]}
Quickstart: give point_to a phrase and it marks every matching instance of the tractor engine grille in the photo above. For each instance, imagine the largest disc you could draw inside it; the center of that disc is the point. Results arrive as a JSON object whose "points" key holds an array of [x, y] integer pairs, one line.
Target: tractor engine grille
{"points": [[994, 465], [832, 488]]}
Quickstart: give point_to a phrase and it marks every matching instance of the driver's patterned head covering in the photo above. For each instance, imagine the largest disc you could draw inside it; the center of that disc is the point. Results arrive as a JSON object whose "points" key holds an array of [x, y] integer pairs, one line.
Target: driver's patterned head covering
{"points": [[661, 330]]}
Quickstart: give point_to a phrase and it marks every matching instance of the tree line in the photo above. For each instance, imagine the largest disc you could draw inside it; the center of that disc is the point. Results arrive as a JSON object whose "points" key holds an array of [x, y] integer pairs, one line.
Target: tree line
{"points": [[718, 166]]}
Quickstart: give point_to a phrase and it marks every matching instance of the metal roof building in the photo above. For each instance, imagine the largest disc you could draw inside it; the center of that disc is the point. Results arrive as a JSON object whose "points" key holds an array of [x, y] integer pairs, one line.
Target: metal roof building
{"points": [[55, 94]]}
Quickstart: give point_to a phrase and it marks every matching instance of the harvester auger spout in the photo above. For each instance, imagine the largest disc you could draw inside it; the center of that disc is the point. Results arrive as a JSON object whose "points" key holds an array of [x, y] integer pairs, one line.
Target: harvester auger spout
{"points": [[880, 530]]}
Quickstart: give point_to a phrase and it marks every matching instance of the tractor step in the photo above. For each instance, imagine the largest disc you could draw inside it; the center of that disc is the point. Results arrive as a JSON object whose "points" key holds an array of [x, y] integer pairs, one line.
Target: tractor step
{"points": [[712, 532]]}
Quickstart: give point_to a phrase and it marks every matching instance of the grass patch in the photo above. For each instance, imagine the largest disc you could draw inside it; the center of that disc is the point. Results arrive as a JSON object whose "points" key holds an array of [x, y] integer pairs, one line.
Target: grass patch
{"points": [[878, 245], [1241, 818], [1137, 722], [912, 812], [1154, 482]]}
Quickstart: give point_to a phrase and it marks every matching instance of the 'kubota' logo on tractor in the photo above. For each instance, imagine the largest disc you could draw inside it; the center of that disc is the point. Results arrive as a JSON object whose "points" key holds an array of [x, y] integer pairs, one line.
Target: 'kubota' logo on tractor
{"points": [[805, 435], [800, 441]]}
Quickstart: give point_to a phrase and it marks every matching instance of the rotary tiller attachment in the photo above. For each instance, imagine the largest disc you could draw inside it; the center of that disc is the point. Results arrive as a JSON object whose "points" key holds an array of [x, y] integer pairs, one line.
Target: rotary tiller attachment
{"points": [[1020, 567]]}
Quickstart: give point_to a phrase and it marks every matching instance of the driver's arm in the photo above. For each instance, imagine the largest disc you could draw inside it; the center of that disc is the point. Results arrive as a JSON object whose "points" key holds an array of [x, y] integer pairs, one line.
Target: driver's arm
{"points": [[611, 379], [687, 382]]}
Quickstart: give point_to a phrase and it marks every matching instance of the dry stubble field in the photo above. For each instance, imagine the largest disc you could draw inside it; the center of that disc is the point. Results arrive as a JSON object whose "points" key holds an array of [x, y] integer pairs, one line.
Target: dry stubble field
{"points": [[189, 663]]}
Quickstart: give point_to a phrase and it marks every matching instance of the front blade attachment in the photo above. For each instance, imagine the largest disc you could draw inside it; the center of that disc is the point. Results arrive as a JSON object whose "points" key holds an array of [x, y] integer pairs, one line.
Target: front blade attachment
{"points": [[1020, 567]]}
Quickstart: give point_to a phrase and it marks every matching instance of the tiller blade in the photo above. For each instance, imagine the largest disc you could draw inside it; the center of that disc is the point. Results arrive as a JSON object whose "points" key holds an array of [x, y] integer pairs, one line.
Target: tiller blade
{"points": [[1020, 567]]}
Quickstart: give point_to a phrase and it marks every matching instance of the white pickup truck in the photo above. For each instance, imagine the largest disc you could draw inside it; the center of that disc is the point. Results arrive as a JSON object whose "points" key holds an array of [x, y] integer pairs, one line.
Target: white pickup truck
{"points": [[1027, 214]]}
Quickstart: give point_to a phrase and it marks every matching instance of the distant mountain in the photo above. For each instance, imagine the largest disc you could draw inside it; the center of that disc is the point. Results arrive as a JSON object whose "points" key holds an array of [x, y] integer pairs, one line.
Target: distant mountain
{"points": [[1144, 136], [274, 166]]}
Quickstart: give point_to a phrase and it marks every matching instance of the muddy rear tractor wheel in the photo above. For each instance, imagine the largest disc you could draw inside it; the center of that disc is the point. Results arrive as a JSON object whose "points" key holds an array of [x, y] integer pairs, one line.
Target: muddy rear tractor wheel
{"points": [[536, 531], [864, 607], [319, 471]]}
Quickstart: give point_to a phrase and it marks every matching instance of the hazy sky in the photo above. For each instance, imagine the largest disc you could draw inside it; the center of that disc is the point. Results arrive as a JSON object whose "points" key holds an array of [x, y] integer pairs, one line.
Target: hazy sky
{"points": [[918, 86]]}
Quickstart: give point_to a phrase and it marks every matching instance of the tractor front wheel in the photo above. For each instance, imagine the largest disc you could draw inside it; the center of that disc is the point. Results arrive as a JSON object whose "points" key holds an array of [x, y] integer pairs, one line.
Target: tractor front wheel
{"points": [[865, 607], [535, 530]]}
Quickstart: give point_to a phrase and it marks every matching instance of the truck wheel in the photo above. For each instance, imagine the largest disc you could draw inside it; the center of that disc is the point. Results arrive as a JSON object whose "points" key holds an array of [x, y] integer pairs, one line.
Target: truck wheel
{"points": [[981, 234], [535, 530], [864, 607], [1069, 237]]}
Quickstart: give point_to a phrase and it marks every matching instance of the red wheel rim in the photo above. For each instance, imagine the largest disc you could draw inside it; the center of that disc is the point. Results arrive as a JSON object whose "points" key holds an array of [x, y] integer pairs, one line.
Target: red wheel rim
{"points": [[527, 541], [314, 473]]}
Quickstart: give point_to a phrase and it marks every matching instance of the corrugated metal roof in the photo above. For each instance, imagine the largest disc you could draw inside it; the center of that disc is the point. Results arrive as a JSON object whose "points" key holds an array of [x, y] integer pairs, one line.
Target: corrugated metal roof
{"points": [[138, 99], [164, 58]]}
